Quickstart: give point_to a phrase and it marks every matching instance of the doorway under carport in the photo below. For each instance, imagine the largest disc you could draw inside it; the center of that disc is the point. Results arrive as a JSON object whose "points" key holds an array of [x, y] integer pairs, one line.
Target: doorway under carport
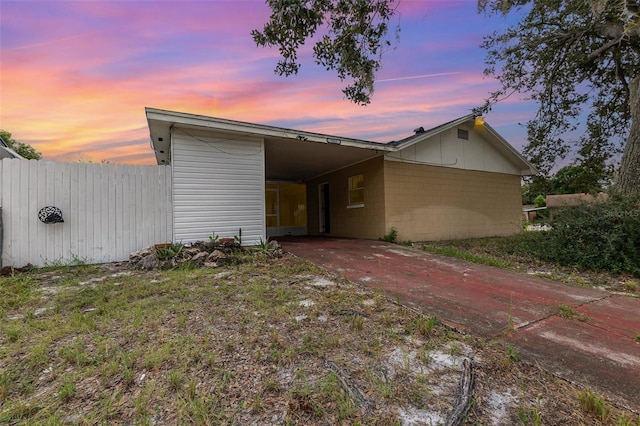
{"points": [[285, 209]]}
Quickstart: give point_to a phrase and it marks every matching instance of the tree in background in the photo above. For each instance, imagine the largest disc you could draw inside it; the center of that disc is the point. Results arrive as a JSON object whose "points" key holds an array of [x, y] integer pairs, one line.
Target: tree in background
{"points": [[568, 56], [576, 179], [568, 180], [23, 149]]}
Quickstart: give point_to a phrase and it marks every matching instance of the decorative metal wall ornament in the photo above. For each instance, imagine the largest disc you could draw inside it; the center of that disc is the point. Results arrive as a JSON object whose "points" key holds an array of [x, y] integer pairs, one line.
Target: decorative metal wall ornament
{"points": [[50, 215]]}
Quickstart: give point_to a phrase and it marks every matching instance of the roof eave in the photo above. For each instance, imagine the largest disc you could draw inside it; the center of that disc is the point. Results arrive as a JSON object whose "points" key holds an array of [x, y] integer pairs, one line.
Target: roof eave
{"points": [[527, 169], [419, 137], [161, 121]]}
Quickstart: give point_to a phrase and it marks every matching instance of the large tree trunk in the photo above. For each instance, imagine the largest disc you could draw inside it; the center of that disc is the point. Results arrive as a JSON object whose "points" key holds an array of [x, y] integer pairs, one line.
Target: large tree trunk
{"points": [[629, 174]]}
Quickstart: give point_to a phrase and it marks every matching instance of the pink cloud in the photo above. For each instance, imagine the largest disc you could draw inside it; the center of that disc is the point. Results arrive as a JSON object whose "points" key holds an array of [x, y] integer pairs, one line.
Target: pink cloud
{"points": [[76, 88]]}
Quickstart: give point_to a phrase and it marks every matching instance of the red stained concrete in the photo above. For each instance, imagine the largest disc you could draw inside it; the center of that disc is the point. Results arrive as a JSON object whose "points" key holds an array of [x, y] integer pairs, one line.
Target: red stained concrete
{"points": [[484, 301]]}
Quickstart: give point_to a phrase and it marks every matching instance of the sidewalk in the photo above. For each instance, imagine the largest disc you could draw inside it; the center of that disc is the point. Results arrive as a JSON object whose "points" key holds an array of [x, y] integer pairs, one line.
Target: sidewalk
{"points": [[600, 351]]}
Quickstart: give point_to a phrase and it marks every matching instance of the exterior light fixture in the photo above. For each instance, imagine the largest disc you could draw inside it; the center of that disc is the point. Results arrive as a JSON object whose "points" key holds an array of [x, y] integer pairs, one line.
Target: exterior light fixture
{"points": [[479, 120]]}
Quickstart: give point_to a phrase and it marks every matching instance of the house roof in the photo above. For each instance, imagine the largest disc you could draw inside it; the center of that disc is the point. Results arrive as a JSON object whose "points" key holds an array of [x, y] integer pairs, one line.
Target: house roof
{"points": [[289, 154], [301, 155], [6, 152], [482, 127], [572, 200]]}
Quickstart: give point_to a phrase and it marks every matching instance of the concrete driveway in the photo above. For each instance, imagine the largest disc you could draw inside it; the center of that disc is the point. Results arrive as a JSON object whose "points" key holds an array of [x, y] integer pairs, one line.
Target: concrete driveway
{"points": [[600, 351]]}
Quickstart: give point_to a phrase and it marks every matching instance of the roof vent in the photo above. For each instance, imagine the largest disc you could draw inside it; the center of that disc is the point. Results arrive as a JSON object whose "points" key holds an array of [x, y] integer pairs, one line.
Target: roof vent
{"points": [[418, 130], [463, 134]]}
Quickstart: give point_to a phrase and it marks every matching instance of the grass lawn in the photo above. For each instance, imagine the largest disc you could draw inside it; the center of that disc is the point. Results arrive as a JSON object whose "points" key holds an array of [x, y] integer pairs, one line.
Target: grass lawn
{"points": [[269, 341]]}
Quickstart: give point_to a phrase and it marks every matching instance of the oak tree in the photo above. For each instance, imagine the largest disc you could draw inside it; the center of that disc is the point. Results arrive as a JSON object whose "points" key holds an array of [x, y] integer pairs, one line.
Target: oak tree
{"points": [[572, 57], [355, 35]]}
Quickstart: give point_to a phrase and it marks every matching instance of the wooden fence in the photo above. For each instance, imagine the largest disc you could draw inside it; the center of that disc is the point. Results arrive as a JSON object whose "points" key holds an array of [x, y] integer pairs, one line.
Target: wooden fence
{"points": [[108, 211]]}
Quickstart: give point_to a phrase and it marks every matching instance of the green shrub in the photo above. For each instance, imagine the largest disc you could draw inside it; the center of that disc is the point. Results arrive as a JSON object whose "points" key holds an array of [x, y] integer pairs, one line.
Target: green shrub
{"points": [[164, 253], [597, 236], [540, 201], [391, 237]]}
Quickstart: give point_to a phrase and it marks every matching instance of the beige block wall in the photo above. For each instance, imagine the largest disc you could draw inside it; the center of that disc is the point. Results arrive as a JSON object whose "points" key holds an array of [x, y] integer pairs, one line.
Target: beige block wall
{"points": [[362, 222], [427, 203]]}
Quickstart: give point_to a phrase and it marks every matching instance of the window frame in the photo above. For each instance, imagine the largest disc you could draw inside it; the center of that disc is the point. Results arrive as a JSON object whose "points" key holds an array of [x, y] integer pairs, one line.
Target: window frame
{"points": [[355, 204]]}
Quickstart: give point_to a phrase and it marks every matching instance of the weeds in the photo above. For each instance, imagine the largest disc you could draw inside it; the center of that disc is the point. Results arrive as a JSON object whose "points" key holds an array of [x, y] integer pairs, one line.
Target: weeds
{"points": [[631, 285], [175, 381], [262, 247], [594, 405], [164, 253], [566, 311], [530, 416], [422, 325], [391, 236], [624, 420], [67, 389], [465, 255], [512, 353], [358, 322]]}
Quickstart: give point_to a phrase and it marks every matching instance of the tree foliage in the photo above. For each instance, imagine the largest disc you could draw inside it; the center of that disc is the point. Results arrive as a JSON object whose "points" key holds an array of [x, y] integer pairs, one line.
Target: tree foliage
{"points": [[568, 180], [571, 57], [355, 37], [23, 149]]}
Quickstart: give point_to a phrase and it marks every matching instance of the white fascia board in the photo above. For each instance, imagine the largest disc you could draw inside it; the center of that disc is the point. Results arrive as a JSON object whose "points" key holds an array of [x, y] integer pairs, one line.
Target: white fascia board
{"points": [[260, 130], [526, 168]]}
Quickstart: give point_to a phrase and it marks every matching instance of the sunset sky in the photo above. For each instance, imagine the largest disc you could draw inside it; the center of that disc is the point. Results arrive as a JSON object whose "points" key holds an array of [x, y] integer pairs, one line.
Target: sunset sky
{"points": [[75, 76]]}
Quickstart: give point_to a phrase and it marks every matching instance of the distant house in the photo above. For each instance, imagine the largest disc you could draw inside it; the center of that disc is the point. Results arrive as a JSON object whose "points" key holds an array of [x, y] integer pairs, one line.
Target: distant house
{"points": [[555, 202], [457, 180], [572, 200], [6, 152], [531, 212]]}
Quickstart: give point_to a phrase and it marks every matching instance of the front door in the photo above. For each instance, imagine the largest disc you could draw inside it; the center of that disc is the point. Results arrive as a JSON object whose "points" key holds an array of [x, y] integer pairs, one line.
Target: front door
{"points": [[286, 209], [325, 223]]}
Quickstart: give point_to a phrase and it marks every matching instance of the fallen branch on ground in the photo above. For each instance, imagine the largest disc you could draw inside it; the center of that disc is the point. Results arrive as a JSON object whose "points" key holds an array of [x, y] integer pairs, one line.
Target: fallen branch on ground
{"points": [[354, 392], [465, 390]]}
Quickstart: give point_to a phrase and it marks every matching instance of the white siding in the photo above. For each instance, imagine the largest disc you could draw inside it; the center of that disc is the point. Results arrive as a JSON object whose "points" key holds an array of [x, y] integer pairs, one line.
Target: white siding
{"points": [[446, 149], [218, 186], [109, 211]]}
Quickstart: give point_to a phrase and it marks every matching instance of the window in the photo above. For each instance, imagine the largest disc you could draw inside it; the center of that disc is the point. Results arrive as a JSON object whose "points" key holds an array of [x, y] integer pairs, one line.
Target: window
{"points": [[356, 191]]}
